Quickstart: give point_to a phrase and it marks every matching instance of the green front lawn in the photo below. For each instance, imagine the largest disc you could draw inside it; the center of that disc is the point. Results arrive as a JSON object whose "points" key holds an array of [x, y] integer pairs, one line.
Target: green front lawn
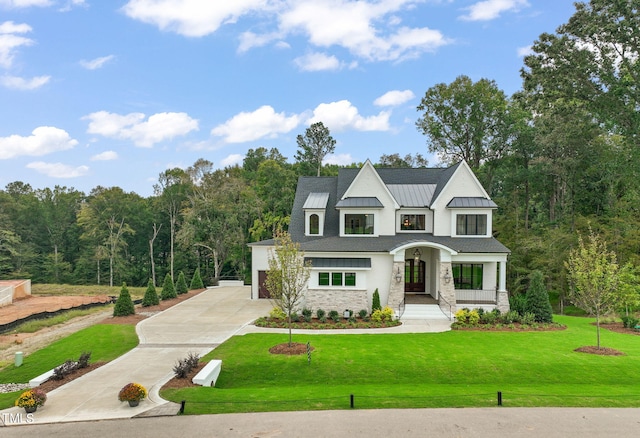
{"points": [[457, 368], [105, 342]]}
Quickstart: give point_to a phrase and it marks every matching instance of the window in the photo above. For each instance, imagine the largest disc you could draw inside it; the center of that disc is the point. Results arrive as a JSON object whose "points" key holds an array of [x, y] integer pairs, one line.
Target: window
{"points": [[467, 276], [471, 224], [358, 224], [323, 279], [410, 222], [336, 278], [314, 224]]}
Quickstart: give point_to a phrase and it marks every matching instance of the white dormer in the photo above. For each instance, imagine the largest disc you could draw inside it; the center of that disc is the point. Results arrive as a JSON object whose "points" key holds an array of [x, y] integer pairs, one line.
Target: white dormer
{"points": [[314, 213], [367, 207]]}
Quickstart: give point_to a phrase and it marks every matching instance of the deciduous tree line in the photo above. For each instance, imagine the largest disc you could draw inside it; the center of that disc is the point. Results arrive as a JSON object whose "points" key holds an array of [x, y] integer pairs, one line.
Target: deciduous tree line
{"points": [[560, 157]]}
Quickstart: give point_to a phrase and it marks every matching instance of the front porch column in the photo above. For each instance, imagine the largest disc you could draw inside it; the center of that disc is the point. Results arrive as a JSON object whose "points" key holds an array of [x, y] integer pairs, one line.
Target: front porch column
{"points": [[502, 298], [396, 288], [447, 295]]}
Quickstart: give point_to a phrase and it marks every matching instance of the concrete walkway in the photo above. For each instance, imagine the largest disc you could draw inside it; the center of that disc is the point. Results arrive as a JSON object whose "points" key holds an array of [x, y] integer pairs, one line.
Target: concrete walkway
{"points": [[197, 325]]}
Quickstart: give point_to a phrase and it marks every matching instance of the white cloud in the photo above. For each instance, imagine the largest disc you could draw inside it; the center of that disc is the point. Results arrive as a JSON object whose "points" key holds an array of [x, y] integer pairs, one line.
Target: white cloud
{"points": [[43, 140], [261, 123], [58, 170], [105, 156], [491, 9], [352, 25], [10, 41], [19, 83], [24, 3], [367, 29], [192, 18], [524, 51], [96, 63], [232, 160], [338, 159], [342, 115], [317, 62], [158, 127], [394, 98]]}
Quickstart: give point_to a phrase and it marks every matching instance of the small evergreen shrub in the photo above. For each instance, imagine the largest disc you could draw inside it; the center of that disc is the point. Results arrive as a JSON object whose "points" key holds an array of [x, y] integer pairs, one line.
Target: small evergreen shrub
{"points": [[124, 304], [383, 315], [376, 301], [277, 313], [334, 315], [307, 314], [363, 313], [321, 314], [518, 303], [629, 321], [196, 280], [488, 318], [537, 299], [181, 284], [168, 291], [528, 318], [150, 295], [510, 317]]}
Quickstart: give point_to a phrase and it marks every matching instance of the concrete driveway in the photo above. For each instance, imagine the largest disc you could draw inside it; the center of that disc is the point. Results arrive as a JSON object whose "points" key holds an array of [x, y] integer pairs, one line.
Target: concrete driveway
{"points": [[197, 325]]}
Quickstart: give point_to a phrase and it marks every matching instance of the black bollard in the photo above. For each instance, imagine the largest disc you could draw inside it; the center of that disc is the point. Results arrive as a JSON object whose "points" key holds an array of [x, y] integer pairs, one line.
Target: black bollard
{"points": [[182, 403], [351, 399], [499, 398]]}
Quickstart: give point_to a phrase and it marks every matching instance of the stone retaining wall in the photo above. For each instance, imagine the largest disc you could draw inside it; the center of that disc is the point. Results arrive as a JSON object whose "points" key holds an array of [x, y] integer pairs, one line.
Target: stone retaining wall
{"points": [[336, 299]]}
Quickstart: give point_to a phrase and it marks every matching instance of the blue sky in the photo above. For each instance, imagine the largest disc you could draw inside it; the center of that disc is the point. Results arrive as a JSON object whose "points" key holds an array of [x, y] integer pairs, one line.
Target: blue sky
{"points": [[112, 93]]}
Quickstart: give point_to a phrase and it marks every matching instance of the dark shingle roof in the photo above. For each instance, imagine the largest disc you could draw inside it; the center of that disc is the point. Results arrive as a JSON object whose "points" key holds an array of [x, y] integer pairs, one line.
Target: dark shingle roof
{"points": [[464, 202]]}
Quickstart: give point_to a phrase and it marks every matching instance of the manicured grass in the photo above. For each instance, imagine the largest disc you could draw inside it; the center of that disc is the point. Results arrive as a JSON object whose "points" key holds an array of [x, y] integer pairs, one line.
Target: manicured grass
{"points": [[105, 342], [457, 368]]}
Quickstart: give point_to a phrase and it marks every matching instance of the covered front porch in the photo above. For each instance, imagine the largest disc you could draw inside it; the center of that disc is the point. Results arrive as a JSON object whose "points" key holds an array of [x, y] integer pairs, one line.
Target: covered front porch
{"points": [[427, 273]]}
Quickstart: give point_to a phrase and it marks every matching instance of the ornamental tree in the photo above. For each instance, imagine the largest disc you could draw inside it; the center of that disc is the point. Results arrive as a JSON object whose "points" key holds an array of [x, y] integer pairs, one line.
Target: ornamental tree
{"points": [[594, 276], [287, 275]]}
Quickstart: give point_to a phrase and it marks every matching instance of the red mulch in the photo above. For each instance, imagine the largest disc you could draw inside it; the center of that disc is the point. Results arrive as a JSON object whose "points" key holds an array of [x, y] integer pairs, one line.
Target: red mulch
{"points": [[290, 350]]}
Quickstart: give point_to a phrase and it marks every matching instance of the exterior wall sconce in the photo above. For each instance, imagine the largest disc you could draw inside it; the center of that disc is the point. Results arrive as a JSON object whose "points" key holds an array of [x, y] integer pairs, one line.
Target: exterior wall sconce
{"points": [[447, 276], [398, 276]]}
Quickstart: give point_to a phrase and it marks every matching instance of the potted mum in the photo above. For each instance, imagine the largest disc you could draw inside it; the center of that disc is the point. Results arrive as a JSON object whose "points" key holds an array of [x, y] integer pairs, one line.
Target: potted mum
{"points": [[31, 399], [132, 393]]}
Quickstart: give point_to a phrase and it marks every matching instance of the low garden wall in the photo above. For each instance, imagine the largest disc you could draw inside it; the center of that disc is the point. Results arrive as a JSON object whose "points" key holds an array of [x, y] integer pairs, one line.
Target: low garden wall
{"points": [[337, 299]]}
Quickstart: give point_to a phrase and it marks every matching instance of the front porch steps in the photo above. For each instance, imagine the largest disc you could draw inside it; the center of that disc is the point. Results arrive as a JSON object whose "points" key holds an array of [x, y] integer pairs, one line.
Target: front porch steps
{"points": [[423, 312]]}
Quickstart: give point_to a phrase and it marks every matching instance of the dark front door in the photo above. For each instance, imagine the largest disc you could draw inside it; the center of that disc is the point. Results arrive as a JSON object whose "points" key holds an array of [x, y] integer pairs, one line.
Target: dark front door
{"points": [[414, 276], [262, 288]]}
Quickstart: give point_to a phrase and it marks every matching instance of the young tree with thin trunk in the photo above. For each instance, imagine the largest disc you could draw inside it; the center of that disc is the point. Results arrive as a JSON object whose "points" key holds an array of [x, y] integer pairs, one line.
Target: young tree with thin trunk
{"points": [[287, 275], [594, 276]]}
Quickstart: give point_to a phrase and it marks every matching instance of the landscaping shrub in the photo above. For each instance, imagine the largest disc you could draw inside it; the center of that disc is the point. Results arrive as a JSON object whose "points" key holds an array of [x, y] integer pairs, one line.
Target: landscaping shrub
{"points": [[510, 317], [383, 315], [307, 314], [196, 280], [277, 313], [466, 316], [184, 366], [83, 360], [321, 315], [528, 318], [629, 321], [181, 284], [363, 313], [64, 370], [334, 315], [168, 291], [537, 299], [518, 303], [150, 295], [376, 301], [124, 304]]}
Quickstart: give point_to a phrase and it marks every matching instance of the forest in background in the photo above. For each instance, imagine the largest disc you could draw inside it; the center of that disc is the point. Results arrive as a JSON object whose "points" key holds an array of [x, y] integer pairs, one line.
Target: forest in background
{"points": [[559, 157]]}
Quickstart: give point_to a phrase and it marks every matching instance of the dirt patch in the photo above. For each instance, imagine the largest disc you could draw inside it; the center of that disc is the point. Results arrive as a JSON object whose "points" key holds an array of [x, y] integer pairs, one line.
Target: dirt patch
{"points": [[290, 350], [602, 351]]}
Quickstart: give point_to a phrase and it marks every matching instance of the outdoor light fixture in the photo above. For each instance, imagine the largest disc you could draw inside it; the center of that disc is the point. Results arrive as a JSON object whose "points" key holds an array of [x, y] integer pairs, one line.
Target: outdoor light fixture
{"points": [[416, 256], [447, 277], [398, 276]]}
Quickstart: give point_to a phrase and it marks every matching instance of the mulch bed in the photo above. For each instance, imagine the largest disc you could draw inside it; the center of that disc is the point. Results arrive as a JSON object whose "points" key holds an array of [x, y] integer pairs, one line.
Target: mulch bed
{"points": [[602, 351], [618, 327], [517, 327], [52, 384]]}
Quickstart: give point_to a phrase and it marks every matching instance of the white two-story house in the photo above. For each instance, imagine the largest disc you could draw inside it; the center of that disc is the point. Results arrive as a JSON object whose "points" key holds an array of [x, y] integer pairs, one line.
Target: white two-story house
{"points": [[405, 232]]}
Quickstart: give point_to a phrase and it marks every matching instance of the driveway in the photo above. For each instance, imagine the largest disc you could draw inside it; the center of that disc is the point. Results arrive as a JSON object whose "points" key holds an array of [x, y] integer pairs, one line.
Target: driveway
{"points": [[197, 325]]}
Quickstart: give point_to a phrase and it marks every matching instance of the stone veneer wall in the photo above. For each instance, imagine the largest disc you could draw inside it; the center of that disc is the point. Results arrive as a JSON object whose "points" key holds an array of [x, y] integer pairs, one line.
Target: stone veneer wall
{"points": [[447, 290], [396, 288], [503, 301], [337, 299]]}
